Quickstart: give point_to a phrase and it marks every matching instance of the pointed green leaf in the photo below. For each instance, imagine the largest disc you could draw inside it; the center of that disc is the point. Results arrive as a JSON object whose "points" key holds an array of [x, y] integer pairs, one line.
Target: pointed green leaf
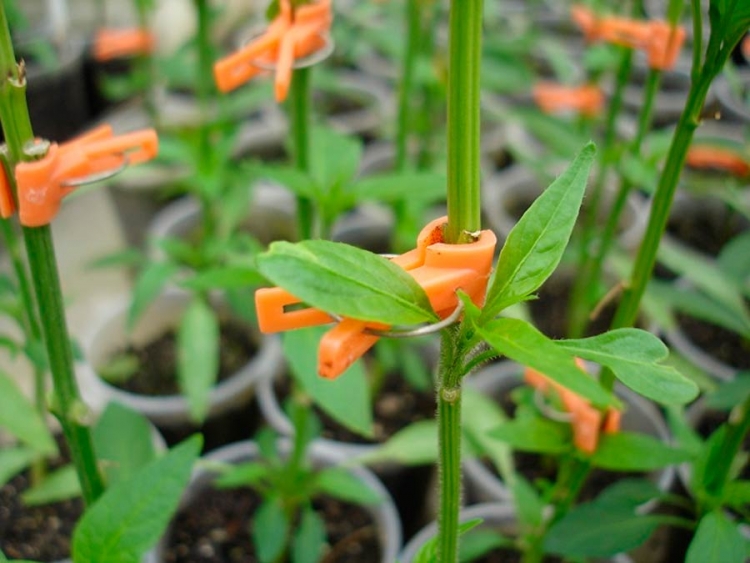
{"points": [[15, 460], [717, 540], [628, 451], [131, 516], [19, 417], [537, 242], [309, 539], [424, 187], [534, 434], [56, 487], [198, 356], [270, 529], [227, 277], [346, 398], [427, 553], [149, 284], [348, 281], [523, 343], [243, 475], [343, 485], [414, 445], [632, 355]]}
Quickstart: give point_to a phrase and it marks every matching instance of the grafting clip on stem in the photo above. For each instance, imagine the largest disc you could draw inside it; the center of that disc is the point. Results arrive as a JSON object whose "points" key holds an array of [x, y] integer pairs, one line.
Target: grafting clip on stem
{"points": [[586, 420], [713, 157], [553, 98], [659, 39], [441, 269], [296, 38], [114, 43], [95, 156]]}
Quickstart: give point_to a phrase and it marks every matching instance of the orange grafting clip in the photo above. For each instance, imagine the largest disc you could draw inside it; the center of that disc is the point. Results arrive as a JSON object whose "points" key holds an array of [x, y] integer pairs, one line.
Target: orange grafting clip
{"points": [[746, 48], [712, 157], [113, 43], [554, 98], [94, 156], [586, 420], [293, 34], [441, 269], [660, 40]]}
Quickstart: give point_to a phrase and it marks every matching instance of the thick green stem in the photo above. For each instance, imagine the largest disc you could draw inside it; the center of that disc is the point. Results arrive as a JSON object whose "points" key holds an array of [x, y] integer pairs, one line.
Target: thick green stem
{"points": [[301, 123], [69, 408], [406, 89], [449, 445], [464, 125]]}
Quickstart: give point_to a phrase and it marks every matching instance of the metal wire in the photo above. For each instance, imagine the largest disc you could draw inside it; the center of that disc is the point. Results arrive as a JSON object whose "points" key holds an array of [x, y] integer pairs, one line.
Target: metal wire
{"points": [[99, 176], [318, 56], [547, 410]]}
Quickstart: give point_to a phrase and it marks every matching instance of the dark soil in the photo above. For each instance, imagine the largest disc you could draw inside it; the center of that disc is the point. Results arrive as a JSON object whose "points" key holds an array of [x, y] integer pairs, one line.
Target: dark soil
{"points": [[720, 343], [40, 533], [215, 528], [706, 228], [509, 556], [335, 104]]}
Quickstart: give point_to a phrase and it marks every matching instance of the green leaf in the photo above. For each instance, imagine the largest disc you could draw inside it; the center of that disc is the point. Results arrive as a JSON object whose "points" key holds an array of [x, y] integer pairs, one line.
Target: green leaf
{"points": [[124, 442], [228, 277], [414, 445], [348, 281], [58, 486], [424, 187], [523, 343], [628, 451], [730, 20], [129, 257], [730, 393], [529, 504], [537, 242], [120, 368], [269, 530], [534, 434], [717, 540], [590, 530], [628, 494], [427, 553], [477, 543], [198, 356], [632, 354], [339, 483], [309, 539], [131, 516], [243, 475], [19, 417], [736, 494], [346, 398], [335, 158], [15, 460], [289, 177], [149, 284]]}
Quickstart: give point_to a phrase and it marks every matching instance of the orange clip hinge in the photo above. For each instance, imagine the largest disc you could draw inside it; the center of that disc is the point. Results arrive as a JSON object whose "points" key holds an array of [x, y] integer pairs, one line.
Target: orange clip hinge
{"points": [[440, 268], [114, 43], [42, 184], [587, 421], [556, 98], [293, 34], [711, 157]]}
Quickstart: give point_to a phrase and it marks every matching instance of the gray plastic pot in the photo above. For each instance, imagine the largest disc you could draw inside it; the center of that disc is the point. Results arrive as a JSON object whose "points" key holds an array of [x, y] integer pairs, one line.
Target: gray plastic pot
{"points": [[640, 416], [110, 335], [321, 456], [498, 516], [732, 106]]}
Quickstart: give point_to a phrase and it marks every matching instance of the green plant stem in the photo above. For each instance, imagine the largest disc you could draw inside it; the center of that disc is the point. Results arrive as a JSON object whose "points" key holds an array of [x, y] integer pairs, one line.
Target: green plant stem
{"points": [[69, 408], [464, 125], [300, 100], [406, 89]]}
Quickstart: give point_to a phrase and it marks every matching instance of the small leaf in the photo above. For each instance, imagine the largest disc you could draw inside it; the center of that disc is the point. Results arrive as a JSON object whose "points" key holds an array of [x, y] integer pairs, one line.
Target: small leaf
{"points": [[270, 529], [15, 460], [427, 553], [198, 356], [309, 539], [537, 242], [149, 284], [628, 451], [19, 417], [243, 475], [717, 540], [534, 434], [632, 355], [343, 485], [228, 277], [346, 398], [56, 487], [523, 343], [414, 445], [122, 525], [348, 281]]}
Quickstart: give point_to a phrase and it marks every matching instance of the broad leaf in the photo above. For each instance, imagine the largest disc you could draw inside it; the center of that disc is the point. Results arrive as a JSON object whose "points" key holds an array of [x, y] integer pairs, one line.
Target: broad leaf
{"points": [[131, 516], [149, 284], [414, 445], [309, 539], [628, 451], [19, 417], [534, 434], [717, 540], [632, 355], [346, 398], [58, 486], [15, 460], [523, 343], [270, 529], [339, 483], [537, 242], [198, 356], [348, 281]]}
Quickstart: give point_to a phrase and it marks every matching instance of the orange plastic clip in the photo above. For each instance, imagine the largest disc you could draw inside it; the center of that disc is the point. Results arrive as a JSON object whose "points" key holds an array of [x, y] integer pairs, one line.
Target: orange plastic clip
{"points": [[587, 421], [293, 34], [43, 183], [555, 98], [712, 157], [112, 43], [746, 48], [660, 40], [440, 268]]}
